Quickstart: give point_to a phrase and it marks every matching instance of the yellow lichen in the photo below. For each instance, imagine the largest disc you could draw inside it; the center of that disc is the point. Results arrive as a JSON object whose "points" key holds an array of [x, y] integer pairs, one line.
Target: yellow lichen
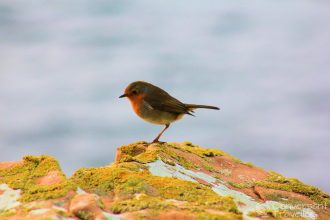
{"points": [[128, 184], [275, 213], [84, 215], [197, 150], [6, 213], [23, 176], [241, 185], [144, 153], [140, 202], [225, 172], [249, 164], [147, 157], [277, 181], [98, 180], [208, 167], [133, 149], [283, 199]]}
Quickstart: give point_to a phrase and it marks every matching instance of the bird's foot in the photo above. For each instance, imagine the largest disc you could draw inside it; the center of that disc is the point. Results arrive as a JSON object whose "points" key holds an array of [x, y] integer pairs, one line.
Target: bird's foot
{"points": [[157, 141]]}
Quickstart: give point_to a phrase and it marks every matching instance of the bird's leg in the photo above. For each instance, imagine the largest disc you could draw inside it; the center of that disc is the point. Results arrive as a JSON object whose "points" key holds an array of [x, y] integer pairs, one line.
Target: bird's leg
{"points": [[160, 134]]}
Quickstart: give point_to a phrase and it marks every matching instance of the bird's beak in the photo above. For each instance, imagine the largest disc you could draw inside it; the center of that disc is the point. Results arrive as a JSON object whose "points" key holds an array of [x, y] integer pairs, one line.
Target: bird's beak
{"points": [[123, 95]]}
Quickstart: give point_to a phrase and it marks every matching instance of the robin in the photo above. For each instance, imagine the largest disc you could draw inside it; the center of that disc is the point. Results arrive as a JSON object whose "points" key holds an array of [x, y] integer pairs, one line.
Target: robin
{"points": [[156, 106]]}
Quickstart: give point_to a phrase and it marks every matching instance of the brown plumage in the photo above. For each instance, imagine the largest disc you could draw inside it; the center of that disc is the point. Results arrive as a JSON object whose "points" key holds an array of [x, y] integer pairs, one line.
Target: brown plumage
{"points": [[154, 105]]}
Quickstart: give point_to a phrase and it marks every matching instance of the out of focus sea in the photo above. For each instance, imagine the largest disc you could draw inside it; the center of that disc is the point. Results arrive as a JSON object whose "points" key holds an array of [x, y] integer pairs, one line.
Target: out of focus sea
{"points": [[63, 65]]}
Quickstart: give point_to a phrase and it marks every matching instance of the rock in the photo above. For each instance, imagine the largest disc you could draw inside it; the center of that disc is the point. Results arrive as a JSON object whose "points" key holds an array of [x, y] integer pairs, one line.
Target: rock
{"points": [[86, 206], [175, 215], [38, 178], [156, 181], [51, 178], [9, 164]]}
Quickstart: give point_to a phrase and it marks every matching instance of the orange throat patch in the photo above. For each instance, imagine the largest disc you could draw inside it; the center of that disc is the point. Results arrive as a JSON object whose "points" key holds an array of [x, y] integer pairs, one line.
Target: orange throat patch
{"points": [[136, 102]]}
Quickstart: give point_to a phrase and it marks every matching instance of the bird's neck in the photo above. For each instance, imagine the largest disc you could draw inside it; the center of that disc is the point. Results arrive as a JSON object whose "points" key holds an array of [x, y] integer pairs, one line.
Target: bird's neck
{"points": [[136, 102]]}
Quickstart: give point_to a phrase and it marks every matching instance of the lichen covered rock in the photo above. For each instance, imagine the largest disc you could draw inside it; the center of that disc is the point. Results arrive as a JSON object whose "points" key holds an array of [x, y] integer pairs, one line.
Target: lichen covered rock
{"points": [[37, 177], [156, 181]]}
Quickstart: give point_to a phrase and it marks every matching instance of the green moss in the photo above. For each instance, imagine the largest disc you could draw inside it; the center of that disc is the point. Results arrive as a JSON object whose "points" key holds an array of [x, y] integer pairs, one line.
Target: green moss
{"points": [[132, 166], [167, 152], [133, 149], [197, 150], [283, 199], [276, 197], [137, 152], [225, 172], [249, 164], [168, 161], [191, 192], [84, 215], [147, 157], [139, 203], [134, 184], [99, 180], [241, 185], [203, 215], [276, 214], [208, 167], [277, 181], [23, 176], [7, 213], [128, 183], [204, 153], [163, 151], [184, 162], [126, 158], [236, 160]]}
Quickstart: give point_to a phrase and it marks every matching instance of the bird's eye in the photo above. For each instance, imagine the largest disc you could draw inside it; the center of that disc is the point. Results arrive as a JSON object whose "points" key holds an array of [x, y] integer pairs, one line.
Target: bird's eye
{"points": [[134, 92]]}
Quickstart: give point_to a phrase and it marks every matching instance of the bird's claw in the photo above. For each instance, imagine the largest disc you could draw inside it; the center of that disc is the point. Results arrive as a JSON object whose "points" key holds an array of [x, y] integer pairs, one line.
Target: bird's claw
{"points": [[157, 141]]}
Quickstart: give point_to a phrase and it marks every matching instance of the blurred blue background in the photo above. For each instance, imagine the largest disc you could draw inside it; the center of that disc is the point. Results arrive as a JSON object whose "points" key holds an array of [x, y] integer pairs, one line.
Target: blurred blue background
{"points": [[63, 65]]}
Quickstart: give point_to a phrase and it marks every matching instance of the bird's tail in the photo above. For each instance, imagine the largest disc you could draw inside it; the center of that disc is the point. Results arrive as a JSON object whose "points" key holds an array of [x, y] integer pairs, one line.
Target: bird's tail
{"points": [[193, 106]]}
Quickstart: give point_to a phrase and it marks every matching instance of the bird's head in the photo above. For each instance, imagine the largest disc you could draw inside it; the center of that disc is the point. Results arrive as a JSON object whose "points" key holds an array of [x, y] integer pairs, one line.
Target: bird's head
{"points": [[135, 89]]}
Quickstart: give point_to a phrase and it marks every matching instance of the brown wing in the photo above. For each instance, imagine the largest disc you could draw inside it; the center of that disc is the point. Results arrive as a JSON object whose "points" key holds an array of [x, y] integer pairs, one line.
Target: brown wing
{"points": [[163, 101]]}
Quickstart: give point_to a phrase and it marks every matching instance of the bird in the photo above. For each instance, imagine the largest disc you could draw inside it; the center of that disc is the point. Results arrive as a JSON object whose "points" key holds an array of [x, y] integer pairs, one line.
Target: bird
{"points": [[156, 106]]}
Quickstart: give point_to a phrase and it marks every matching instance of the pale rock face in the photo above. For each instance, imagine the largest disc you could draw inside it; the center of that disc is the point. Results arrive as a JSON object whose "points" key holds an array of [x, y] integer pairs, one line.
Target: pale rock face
{"points": [[156, 181], [8, 198], [245, 203]]}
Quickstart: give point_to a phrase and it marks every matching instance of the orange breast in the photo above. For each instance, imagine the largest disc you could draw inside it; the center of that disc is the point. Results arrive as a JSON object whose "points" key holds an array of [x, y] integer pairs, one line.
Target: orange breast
{"points": [[136, 102]]}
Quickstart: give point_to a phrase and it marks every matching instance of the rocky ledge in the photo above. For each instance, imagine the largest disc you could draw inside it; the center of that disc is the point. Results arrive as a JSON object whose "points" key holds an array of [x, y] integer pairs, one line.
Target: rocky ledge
{"points": [[156, 181]]}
